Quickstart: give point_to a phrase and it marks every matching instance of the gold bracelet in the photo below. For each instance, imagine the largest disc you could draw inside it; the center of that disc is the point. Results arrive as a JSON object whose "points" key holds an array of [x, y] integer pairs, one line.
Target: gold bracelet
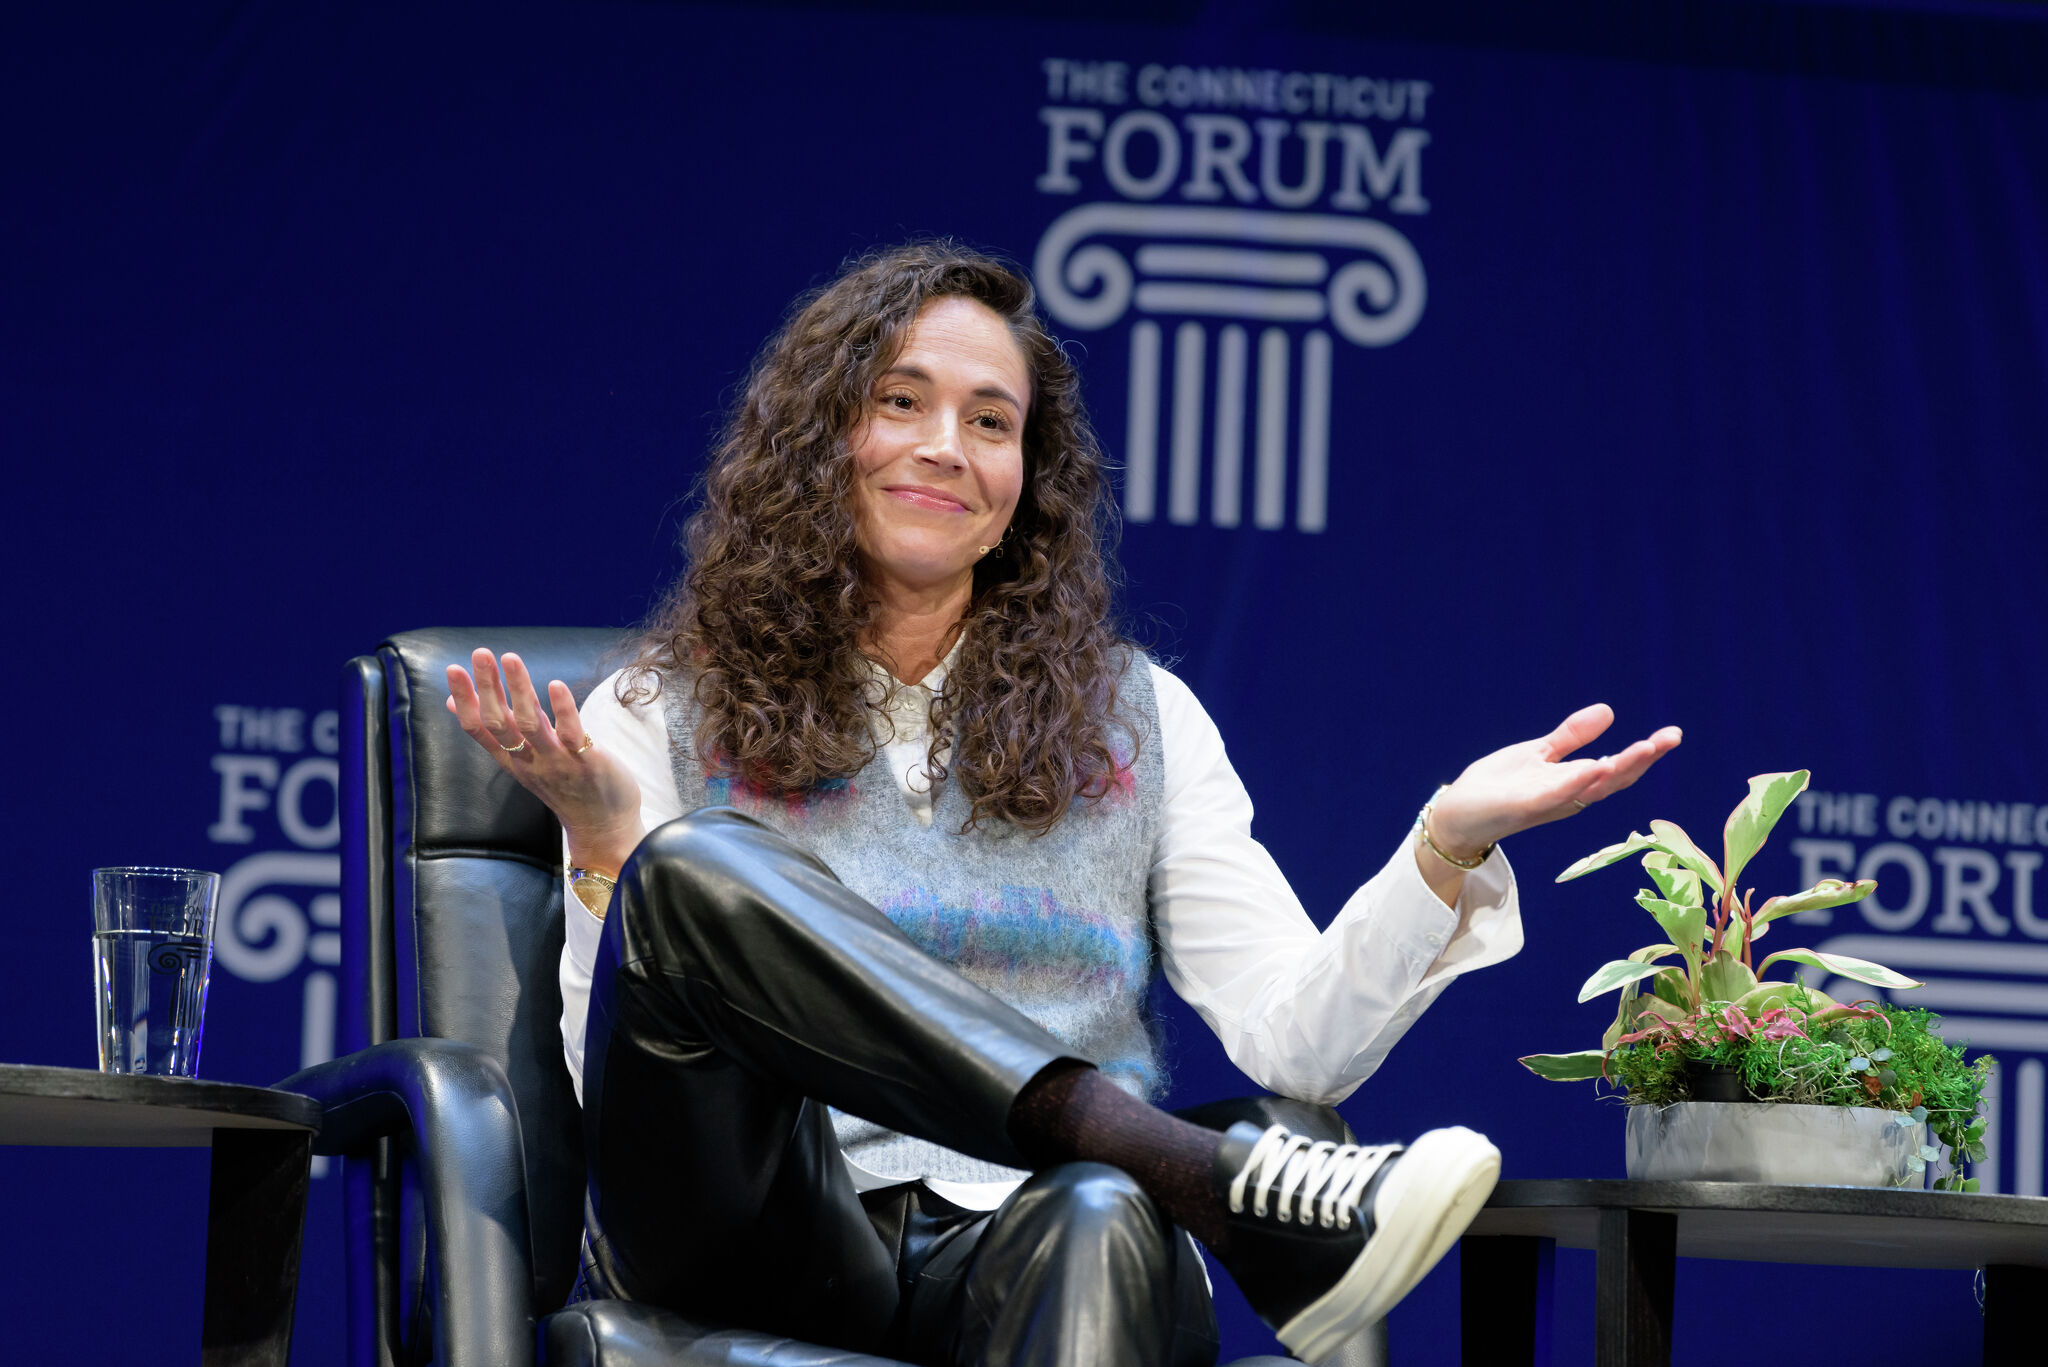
{"points": [[1422, 824], [582, 878]]}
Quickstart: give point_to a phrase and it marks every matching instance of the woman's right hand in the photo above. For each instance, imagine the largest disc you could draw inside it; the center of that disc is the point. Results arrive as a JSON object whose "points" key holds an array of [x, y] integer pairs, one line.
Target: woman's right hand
{"points": [[590, 793]]}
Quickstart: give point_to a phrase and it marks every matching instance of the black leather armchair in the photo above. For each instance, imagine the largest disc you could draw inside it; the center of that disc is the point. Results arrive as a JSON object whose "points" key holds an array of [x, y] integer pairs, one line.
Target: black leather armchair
{"points": [[453, 1111]]}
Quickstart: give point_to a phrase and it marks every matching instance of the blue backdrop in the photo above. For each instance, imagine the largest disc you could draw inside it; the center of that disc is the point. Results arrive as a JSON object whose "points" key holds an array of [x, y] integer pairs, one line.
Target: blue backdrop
{"points": [[1467, 364]]}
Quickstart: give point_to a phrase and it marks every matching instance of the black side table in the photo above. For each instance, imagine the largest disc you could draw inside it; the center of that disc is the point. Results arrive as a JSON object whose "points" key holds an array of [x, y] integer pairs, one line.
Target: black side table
{"points": [[262, 1143], [1641, 1229]]}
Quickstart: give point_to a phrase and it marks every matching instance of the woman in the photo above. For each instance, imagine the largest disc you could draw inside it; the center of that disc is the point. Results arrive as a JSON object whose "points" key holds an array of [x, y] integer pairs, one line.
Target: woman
{"points": [[895, 959]]}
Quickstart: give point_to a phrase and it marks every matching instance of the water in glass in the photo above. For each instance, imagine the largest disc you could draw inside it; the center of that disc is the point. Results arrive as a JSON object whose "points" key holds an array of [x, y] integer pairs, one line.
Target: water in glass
{"points": [[152, 944], [152, 994]]}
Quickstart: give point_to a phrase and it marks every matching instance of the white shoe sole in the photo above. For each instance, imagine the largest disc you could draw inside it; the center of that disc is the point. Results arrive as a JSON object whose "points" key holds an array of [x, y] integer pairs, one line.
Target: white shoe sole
{"points": [[1422, 1208]]}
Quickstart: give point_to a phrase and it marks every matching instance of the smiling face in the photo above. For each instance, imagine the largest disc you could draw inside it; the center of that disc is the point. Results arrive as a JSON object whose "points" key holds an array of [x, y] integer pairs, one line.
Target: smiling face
{"points": [[939, 455]]}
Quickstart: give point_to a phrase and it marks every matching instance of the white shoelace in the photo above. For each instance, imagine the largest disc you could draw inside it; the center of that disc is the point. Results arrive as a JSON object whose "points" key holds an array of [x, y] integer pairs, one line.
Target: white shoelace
{"points": [[1324, 1181]]}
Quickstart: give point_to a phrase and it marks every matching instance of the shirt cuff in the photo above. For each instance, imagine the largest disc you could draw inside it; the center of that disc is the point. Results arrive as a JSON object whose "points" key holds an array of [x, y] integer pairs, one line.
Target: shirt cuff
{"points": [[582, 928], [1410, 918], [1440, 942], [1489, 921]]}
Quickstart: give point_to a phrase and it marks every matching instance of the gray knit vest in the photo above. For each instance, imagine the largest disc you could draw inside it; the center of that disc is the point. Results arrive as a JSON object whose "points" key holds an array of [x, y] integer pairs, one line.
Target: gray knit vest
{"points": [[1058, 926]]}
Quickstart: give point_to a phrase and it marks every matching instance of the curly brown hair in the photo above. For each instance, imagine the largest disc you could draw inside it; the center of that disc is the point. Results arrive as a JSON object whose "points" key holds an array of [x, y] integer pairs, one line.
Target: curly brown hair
{"points": [[768, 616]]}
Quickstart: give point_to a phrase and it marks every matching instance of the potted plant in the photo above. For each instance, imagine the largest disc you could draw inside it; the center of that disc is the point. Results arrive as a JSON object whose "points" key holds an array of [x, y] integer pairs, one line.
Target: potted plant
{"points": [[1731, 1076]]}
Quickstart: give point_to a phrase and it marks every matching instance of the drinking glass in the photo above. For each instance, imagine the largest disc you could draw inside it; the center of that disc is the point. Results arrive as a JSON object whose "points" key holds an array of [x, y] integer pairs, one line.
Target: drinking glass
{"points": [[152, 944]]}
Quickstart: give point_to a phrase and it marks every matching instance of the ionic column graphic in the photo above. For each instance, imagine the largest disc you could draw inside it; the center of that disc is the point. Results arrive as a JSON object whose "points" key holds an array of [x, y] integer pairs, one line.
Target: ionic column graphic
{"points": [[1141, 435], [1986, 1171], [2026, 1146], [1269, 493], [1184, 494], [1272, 421], [1323, 276], [1226, 486], [316, 1035], [1312, 486]]}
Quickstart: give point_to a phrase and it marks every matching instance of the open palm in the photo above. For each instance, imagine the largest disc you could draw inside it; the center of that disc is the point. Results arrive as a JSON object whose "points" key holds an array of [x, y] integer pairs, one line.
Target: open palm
{"points": [[1533, 781]]}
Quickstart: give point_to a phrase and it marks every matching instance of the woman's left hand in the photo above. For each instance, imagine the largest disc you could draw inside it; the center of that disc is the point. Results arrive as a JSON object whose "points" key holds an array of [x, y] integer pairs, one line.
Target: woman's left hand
{"points": [[1528, 784]]}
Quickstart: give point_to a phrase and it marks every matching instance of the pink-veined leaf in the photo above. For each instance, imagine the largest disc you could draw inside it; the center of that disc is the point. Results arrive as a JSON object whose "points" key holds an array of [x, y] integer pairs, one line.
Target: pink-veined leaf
{"points": [[1663, 1032], [1838, 1012], [1782, 1023]]}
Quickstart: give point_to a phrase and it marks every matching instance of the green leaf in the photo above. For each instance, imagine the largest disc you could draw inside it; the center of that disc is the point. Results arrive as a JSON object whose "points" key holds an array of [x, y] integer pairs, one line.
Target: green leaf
{"points": [[1663, 1009], [1673, 987], [1613, 974], [1678, 883], [1828, 892], [1859, 970], [1675, 842], [1768, 997], [1724, 978], [1579, 1067], [1613, 854], [1751, 821], [1624, 1021], [1625, 1011], [1687, 926]]}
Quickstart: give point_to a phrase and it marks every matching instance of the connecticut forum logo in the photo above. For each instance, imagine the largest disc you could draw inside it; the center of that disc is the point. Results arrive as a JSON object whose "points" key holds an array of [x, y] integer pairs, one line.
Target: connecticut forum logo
{"points": [[1231, 208], [1954, 908]]}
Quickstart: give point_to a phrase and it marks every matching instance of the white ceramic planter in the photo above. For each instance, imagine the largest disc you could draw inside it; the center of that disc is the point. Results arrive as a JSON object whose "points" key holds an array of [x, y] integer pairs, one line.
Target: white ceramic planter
{"points": [[1756, 1141]]}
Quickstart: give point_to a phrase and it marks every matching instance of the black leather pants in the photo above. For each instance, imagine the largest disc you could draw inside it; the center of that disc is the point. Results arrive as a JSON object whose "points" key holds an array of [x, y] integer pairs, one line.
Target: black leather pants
{"points": [[740, 990]]}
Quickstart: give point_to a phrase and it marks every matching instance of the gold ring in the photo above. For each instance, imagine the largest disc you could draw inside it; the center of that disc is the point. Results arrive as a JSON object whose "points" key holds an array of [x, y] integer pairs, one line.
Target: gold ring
{"points": [[1576, 803], [588, 741], [511, 749]]}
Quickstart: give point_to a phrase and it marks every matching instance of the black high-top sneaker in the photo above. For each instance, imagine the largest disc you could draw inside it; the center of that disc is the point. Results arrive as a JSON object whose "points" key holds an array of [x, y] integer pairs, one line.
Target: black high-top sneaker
{"points": [[1325, 1238]]}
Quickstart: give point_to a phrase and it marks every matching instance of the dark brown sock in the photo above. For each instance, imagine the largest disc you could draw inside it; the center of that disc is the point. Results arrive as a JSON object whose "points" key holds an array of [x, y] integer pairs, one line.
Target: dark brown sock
{"points": [[1071, 1113]]}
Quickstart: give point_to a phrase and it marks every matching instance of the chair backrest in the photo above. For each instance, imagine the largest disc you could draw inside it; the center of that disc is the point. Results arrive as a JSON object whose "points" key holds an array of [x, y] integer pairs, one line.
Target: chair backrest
{"points": [[452, 899]]}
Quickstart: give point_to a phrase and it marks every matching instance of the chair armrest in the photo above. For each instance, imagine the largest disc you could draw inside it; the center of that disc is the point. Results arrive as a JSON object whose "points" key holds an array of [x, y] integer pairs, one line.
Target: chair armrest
{"points": [[454, 1103]]}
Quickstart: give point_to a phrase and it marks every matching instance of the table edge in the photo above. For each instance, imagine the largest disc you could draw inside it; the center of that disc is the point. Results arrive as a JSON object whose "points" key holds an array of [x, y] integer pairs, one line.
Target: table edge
{"points": [[230, 1101], [1626, 1194]]}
